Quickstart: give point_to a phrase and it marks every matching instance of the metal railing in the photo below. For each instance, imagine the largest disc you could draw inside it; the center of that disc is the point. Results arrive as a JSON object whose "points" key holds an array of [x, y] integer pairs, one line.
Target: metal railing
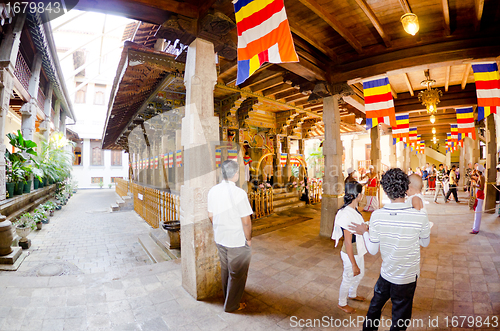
{"points": [[261, 202], [153, 205], [22, 71]]}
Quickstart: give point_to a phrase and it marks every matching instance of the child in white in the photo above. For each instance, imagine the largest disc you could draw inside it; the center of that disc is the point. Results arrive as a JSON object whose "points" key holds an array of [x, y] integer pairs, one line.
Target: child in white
{"points": [[414, 192], [354, 249]]}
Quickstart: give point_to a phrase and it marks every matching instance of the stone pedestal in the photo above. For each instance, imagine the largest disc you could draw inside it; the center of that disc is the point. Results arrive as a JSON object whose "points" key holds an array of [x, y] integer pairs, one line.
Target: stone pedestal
{"points": [[25, 244], [333, 181], [491, 163], [200, 135], [12, 257]]}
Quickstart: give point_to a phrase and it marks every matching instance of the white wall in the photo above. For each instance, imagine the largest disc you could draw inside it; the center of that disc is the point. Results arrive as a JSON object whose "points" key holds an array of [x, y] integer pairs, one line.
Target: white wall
{"points": [[83, 173]]}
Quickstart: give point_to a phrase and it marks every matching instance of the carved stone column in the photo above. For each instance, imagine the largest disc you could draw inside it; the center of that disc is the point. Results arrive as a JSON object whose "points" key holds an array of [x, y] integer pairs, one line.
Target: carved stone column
{"points": [[375, 148], [462, 166], [333, 181], [57, 114], [276, 161], [287, 169], [491, 164], [200, 135], [28, 110], [47, 107], [475, 148], [62, 126]]}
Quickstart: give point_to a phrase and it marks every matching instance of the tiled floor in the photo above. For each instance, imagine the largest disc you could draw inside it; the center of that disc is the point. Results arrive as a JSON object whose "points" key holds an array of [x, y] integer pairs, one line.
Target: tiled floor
{"points": [[294, 278]]}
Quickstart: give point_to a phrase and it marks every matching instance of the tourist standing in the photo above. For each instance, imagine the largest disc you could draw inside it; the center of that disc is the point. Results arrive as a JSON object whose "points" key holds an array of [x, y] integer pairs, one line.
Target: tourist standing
{"points": [[371, 190], [453, 185], [353, 249], [398, 230], [478, 182], [351, 173], [440, 177], [229, 211]]}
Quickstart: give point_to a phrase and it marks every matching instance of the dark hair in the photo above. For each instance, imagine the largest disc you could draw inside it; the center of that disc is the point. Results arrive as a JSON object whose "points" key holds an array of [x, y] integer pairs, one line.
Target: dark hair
{"points": [[453, 166], [395, 183], [351, 192], [440, 164]]}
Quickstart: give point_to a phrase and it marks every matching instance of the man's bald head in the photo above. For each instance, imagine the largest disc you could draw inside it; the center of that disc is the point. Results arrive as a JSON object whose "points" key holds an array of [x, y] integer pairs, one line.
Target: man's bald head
{"points": [[416, 182]]}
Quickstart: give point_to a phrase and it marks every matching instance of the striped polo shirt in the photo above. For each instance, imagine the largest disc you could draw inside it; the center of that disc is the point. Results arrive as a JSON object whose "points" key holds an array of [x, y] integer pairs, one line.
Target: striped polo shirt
{"points": [[398, 228]]}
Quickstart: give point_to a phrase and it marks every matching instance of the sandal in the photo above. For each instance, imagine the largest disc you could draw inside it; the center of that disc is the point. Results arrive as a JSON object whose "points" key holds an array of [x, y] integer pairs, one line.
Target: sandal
{"points": [[474, 232], [242, 306], [358, 298]]}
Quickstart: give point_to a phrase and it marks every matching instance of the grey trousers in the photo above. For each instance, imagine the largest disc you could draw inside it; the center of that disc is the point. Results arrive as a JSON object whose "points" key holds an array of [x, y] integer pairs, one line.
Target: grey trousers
{"points": [[439, 188], [234, 263]]}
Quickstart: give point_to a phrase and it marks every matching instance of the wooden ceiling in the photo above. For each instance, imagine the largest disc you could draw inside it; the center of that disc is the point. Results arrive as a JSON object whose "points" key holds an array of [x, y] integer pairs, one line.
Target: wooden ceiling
{"points": [[346, 41]]}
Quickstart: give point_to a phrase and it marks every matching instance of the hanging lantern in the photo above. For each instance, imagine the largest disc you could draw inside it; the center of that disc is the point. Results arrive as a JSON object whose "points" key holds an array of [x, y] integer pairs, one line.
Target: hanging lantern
{"points": [[410, 23]]}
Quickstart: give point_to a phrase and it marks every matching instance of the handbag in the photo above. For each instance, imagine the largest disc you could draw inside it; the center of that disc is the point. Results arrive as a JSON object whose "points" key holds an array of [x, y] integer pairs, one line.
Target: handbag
{"points": [[354, 248]]}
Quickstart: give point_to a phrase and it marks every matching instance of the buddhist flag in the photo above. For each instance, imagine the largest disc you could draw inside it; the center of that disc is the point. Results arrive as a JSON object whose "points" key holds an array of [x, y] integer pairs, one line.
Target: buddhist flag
{"points": [[263, 35], [283, 159], [156, 162], [413, 137], [379, 105], [402, 130], [454, 133], [232, 154], [449, 144], [218, 155], [421, 144], [179, 158], [171, 159], [487, 88], [465, 122]]}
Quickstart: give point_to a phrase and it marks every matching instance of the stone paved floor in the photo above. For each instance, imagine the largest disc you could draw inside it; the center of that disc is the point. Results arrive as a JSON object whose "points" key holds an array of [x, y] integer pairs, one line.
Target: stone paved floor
{"points": [[293, 275]]}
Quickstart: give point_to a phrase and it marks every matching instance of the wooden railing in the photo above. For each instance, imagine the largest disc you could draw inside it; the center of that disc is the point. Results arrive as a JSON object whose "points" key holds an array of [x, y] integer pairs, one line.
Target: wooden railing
{"points": [[22, 71], [154, 206], [261, 202], [40, 99], [315, 191], [121, 187]]}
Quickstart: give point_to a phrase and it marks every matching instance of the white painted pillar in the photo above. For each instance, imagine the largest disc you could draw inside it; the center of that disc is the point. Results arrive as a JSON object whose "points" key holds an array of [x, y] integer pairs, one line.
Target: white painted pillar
{"points": [[47, 108], [448, 159], [348, 143], [491, 164]]}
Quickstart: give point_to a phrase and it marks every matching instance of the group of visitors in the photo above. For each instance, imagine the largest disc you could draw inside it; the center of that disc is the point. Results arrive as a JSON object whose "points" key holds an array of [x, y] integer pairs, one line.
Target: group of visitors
{"points": [[371, 183]]}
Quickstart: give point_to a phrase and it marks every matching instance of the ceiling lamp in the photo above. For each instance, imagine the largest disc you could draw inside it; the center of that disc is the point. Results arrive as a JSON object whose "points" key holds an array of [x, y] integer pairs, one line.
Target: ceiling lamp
{"points": [[410, 23], [433, 130], [429, 97], [434, 139], [433, 119]]}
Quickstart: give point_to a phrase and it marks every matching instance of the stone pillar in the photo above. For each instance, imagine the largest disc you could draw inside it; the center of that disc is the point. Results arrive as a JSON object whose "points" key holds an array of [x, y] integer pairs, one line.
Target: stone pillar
{"points": [[462, 166], [62, 125], [287, 169], [448, 159], [47, 108], [333, 181], [28, 110], [407, 159], [491, 164], [475, 148], [178, 171], [301, 152], [400, 155], [57, 114], [276, 160], [393, 156], [200, 135], [349, 157]]}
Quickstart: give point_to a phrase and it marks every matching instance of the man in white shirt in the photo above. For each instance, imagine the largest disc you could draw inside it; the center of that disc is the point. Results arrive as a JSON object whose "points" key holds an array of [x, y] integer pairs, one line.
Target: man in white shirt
{"points": [[229, 211], [398, 230]]}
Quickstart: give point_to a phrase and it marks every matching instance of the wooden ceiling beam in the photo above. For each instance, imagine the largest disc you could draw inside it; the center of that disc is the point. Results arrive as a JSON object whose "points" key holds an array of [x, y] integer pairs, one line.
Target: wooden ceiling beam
{"points": [[277, 89], [296, 29], [478, 6], [405, 5], [305, 69], [320, 10], [393, 92], [466, 75], [297, 97], [408, 84], [446, 17], [447, 78], [376, 23], [286, 94], [260, 77]]}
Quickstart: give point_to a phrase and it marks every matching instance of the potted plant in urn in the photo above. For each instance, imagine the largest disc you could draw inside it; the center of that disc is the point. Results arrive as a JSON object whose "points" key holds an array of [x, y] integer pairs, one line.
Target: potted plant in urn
{"points": [[50, 207], [24, 225], [40, 216]]}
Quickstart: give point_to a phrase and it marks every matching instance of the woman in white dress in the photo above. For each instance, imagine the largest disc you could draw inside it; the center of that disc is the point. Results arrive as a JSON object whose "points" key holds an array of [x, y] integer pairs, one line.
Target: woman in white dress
{"points": [[353, 249]]}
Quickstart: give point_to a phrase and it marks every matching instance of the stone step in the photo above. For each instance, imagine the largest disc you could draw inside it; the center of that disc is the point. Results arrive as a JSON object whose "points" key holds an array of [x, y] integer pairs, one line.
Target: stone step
{"points": [[120, 203], [155, 253], [285, 195], [114, 207], [128, 203], [285, 201], [161, 238], [289, 206]]}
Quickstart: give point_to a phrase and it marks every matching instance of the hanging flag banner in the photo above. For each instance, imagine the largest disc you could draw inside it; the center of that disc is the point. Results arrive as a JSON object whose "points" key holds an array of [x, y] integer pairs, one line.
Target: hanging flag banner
{"points": [[171, 159], [465, 122], [283, 159], [487, 88], [455, 136], [218, 157], [413, 137], [179, 158], [402, 130], [247, 159], [379, 104], [156, 162], [263, 35], [421, 144], [295, 161], [448, 142], [232, 154]]}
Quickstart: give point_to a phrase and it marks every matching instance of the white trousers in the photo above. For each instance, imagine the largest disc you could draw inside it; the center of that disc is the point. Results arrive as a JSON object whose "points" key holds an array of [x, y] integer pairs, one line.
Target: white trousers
{"points": [[371, 203], [349, 285], [478, 214]]}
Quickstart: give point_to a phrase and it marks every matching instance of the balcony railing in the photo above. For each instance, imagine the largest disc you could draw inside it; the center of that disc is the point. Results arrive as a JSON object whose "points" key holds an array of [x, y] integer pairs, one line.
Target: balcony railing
{"points": [[40, 99], [261, 201], [22, 71]]}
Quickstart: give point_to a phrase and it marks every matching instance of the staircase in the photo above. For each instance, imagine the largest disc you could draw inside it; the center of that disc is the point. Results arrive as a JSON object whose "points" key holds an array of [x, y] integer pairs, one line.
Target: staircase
{"points": [[283, 200]]}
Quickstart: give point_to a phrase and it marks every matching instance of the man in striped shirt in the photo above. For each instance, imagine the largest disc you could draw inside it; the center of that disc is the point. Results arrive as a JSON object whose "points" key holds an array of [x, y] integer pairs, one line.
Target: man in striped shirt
{"points": [[398, 230]]}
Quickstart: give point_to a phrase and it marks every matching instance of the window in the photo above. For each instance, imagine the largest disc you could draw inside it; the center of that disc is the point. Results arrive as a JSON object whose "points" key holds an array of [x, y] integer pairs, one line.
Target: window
{"points": [[77, 154], [116, 158], [95, 180], [113, 179], [100, 91], [81, 94], [97, 154]]}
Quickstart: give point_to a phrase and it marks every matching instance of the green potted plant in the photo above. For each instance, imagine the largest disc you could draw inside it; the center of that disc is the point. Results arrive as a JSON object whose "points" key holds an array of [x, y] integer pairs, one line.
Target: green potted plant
{"points": [[110, 185], [50, 207], [101, 184], [20, 172], [39, 215], [24, 225], [17, 177]]}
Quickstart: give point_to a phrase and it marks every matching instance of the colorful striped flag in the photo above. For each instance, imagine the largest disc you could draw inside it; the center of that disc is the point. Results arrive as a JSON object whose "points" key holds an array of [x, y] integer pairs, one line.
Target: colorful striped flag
{"points": [[179, 158], [487, 88], [454, 133], [156, 162], [421, 144], [283, 159], [413, 137], [232, 154], [171, 159], [449, 145], [402, 130], [465, 122], [218, 155], [263, 35], [165, 160], [379, 104]]}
